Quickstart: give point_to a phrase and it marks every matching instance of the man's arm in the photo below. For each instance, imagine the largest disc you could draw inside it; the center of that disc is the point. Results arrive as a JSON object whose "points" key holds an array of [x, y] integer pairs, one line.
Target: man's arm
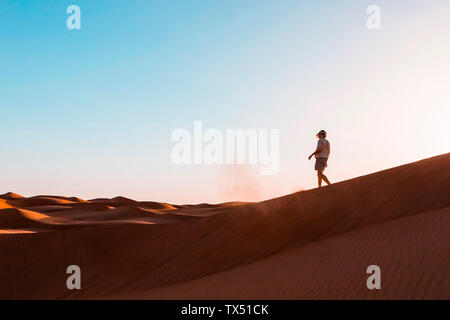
{"points": [[318, 150]]}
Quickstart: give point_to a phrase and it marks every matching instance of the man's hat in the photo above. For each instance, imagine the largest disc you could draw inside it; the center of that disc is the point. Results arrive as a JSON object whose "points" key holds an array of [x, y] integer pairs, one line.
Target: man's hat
{"points": [[321, 132]]}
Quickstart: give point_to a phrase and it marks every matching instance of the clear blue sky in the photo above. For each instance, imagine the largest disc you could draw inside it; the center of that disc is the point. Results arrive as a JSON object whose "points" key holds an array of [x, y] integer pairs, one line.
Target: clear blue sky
{"points": [[90, 112]]}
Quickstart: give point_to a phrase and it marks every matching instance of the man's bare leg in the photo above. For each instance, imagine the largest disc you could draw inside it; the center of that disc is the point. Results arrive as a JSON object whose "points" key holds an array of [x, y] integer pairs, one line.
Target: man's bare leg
{"points": [[324, 177], [319, 178]]}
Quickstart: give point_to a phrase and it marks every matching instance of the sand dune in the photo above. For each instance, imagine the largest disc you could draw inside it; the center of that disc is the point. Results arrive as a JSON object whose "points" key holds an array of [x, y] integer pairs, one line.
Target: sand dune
{"points": [[311, 244], [4, 204], [334, 267], [21, 218], [10, 195]]}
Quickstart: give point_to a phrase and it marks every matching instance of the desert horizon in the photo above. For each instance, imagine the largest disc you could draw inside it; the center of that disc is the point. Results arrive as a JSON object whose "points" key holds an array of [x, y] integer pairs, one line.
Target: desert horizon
{"points": [[315, 244]]}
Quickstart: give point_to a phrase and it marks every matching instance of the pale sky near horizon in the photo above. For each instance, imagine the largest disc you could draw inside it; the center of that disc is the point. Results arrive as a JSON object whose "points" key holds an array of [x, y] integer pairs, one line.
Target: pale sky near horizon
{"points": [[90, 112]]}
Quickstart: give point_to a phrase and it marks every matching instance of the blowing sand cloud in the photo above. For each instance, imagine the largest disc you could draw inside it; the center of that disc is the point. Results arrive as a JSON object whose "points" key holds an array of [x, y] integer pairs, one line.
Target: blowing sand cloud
{"points": [[239, 182]]}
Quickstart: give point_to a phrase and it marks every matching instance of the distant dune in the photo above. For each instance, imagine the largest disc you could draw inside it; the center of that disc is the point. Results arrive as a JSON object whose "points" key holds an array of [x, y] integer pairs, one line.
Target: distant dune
{"points": [[313, 244]]}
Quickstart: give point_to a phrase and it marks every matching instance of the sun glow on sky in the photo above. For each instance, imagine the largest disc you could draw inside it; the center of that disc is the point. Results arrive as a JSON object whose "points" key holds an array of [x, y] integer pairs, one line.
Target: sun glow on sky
{"points": [[90, 113]]}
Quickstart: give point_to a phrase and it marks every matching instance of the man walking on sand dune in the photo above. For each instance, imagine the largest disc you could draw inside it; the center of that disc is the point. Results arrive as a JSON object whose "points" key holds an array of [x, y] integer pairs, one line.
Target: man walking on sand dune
{"points": [[322, 153]]}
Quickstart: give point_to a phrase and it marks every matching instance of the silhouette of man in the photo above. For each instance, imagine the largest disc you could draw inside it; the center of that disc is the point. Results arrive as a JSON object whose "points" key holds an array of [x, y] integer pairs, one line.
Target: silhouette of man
{"points": [[322, 153]]}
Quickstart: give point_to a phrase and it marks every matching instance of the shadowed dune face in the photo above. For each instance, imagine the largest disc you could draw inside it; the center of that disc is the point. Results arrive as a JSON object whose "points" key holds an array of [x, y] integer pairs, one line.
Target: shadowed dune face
{"points": [[321, 239], [334, 268]]}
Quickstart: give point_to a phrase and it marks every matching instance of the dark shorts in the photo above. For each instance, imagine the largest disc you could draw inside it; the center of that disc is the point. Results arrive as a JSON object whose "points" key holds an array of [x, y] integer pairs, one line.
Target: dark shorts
{"points": [[321, 164]]}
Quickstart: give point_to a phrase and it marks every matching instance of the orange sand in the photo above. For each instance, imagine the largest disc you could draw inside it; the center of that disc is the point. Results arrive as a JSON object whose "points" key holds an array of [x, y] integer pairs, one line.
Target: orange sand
{"points": [[313, 244]]}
